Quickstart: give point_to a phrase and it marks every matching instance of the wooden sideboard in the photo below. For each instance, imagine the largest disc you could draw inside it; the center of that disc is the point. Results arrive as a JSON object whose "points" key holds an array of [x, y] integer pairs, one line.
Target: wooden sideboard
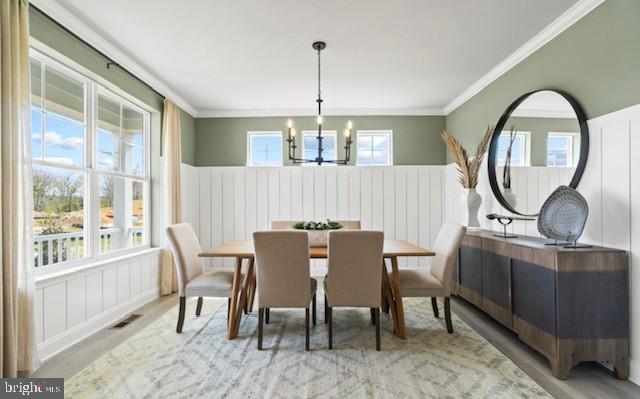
{"points": [[571, 305]]}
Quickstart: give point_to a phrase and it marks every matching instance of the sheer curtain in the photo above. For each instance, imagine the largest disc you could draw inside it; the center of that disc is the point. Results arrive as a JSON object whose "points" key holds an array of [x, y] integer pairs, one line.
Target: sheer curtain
{"points": [[18, 348], [171, 203]]}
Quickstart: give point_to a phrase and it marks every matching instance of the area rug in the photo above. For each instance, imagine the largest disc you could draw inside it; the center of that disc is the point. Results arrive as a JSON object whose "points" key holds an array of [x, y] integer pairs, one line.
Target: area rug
{"points": [[202, 363]]}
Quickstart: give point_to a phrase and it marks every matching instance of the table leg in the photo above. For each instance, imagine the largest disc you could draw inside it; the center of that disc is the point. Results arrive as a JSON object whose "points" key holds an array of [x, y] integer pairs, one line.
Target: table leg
{"points": [[235, 288], [252, 291], [244, 295], [386, 285], [400, 330]]}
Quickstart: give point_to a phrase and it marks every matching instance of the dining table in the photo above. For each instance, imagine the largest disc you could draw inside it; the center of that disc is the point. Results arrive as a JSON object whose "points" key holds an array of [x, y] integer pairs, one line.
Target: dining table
{"points": [[243, 292]]}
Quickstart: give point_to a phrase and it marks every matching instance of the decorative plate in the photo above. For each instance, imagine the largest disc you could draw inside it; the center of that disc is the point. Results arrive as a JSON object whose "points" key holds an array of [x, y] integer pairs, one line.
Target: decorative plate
{"points": [[563, 215]]}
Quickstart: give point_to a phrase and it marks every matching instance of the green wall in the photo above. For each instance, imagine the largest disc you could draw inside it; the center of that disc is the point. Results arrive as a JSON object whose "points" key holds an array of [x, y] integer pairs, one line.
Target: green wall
{"points": [[188, 142], [539, 129], [49, 33], [416, 139], [597, 60]]}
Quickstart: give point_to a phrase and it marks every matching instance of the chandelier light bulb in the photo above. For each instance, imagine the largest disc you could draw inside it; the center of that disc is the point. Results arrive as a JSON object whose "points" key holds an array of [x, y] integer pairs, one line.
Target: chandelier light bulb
{"points": [[293, 132], [349, 125], [346, 132], [319, 119], [289, 123]]}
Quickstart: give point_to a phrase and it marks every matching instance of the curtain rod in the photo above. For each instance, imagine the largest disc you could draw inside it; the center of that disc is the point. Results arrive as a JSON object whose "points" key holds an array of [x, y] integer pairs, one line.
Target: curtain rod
{"points": [[110, 61]]}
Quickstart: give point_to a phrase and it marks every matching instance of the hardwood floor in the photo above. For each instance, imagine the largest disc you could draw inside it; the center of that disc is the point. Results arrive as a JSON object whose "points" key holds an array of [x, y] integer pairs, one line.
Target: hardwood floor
{"points": [[588, 380]]}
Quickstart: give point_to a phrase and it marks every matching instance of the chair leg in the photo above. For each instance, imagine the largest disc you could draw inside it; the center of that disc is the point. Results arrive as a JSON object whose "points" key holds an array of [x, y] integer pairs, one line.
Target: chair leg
{"points": [[376, 313], [330, 317], [183, 305], [434, 305], [313, 308], [447, 314], [373, 317], [266, 315], [228, 308], [260, 320], [199, 307], [326, 310], [306, 329]]}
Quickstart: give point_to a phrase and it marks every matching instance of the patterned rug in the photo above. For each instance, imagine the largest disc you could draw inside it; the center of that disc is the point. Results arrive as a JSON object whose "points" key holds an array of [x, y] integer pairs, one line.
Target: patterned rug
{"points": [[201, 363]]}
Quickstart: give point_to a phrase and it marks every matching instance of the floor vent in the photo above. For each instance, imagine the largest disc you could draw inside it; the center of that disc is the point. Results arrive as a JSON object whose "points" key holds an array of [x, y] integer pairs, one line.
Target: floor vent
{"points": [[126, 321]]}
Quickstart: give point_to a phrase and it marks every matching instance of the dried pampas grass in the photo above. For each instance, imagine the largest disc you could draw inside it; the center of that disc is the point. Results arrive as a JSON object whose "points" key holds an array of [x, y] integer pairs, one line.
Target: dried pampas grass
{"points": [[468, 169]]}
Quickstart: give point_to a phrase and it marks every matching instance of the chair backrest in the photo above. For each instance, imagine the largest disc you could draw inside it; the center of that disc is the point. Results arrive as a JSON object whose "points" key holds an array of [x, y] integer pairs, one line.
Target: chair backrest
{"points": [[185, 248], [446, 248], [288, 224], [355, 268], [282, 268]]}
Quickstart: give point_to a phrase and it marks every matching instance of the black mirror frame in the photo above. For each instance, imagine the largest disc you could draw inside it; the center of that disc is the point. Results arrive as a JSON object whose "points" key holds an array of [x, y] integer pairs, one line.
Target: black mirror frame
{"points": [[493, 146]]}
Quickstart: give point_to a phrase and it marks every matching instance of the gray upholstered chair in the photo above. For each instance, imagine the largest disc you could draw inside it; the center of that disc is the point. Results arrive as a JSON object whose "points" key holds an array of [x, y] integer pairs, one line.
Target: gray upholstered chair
{"points": [[192, 281], [283, 275], [436, 281], [288, 224], [354, 277]]}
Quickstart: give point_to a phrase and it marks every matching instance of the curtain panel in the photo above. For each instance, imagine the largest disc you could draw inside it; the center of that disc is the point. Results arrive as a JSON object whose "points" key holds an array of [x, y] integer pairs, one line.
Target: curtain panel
{"points": [[171, 202], [18, 347]]}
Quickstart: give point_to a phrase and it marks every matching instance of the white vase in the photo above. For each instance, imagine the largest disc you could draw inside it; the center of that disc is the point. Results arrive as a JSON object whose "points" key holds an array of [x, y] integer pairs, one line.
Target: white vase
{"points": [[510, 197], [318, 238], [473, 200]]}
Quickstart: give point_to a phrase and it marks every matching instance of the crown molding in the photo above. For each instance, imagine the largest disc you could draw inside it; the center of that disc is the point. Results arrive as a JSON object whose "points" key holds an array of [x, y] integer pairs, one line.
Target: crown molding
{"points": [[559, 25], [221, 113], [69, 20]]}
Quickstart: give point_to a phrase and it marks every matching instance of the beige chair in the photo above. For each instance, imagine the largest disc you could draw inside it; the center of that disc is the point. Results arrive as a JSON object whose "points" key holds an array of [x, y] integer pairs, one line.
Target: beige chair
{"points": [[436, 281], [282, 274], [288, 224], [192, 281], [354, 276]]}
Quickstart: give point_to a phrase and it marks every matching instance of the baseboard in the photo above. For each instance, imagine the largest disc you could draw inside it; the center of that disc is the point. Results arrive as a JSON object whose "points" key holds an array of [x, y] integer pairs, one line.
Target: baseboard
{"points": [[60, 342], [634, 371]]}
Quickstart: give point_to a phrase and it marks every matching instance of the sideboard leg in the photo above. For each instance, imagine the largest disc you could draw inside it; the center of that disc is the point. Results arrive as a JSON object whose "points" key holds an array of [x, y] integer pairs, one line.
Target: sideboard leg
{"points": [[559, 368], [621, 369]]}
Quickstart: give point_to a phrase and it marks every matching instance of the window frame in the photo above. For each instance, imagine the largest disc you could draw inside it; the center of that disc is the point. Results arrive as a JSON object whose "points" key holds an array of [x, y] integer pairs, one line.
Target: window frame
{"points": [[314, 134], [274, 133], [526, 147], [570, 152], [93, 86], [378, 132]]}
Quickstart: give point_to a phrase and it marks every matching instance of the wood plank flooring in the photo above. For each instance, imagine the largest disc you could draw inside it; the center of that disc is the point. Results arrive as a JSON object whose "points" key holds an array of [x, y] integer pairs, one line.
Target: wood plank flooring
{"points": [[588, 380]]}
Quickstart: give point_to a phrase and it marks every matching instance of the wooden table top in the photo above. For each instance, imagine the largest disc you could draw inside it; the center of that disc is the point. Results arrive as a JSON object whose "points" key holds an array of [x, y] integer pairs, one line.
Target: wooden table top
{"points": [[244, 249]]}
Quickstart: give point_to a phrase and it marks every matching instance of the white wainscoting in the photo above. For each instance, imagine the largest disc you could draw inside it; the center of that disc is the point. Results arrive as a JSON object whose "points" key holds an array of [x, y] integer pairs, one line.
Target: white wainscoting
{"points": [[611, 185], [72, 306], [230, 203]]}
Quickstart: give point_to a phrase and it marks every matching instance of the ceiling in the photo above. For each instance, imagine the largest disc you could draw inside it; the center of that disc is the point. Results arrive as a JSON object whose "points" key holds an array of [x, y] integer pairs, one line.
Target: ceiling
{"points": [[255, 56]]}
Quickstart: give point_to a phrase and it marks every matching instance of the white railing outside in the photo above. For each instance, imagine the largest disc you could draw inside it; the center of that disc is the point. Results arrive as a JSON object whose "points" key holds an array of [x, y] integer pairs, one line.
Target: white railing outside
{"points": [[57, 248]]}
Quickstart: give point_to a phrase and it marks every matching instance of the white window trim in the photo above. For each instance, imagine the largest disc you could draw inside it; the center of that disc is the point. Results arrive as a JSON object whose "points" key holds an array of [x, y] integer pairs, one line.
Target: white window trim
{"points": [[380, 132], [526, 144], [263, 133], [325, 133], [571, 150], [95, 84]]}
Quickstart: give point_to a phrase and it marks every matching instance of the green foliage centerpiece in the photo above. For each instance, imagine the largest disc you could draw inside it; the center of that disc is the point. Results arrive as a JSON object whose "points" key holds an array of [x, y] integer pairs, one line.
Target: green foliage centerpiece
{"points": [[317, 231]]}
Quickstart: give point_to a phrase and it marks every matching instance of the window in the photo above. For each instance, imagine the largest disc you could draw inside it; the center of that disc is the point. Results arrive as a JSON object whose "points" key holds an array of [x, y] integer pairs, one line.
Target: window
{"points": [[264, 149], [375, 147], [520, 153], [70, 115], [310, 145], [561, 149]]}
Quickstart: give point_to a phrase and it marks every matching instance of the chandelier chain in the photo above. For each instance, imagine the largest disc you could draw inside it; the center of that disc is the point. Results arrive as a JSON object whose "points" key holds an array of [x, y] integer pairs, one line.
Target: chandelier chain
{"points": [[319, 92]]}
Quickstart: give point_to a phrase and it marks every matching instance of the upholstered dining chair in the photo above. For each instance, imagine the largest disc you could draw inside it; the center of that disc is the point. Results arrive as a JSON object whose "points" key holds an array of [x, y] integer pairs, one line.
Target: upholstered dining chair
{"points": [[354, 277], [283, 275], [435, 282], [192, 280], [288, 224]]}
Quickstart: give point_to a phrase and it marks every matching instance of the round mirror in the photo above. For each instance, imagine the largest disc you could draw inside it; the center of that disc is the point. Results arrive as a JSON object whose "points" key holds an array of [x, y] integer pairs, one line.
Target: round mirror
{"points": [[540, 142]]}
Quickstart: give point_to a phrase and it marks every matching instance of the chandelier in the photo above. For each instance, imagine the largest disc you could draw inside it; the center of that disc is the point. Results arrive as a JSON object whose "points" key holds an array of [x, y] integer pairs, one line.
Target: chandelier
{"points": [[291, 137]]}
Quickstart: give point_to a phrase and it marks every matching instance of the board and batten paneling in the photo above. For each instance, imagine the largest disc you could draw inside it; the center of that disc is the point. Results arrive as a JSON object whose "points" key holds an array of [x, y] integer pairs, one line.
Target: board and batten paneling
{"points": [[71, 306], [230, 203], [611, 185]]}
